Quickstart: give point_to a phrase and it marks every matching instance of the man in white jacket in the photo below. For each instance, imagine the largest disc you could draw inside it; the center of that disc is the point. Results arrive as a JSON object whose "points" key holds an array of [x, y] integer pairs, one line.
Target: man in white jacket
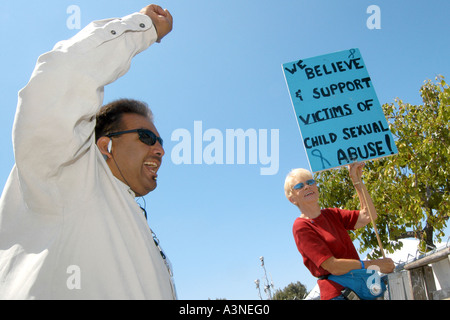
{"points": [[70, 227]]}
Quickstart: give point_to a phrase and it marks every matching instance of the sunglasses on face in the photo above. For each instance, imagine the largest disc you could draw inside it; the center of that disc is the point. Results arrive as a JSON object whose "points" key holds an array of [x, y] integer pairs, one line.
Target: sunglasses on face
{"points": [[301, 185], [145, 135]]}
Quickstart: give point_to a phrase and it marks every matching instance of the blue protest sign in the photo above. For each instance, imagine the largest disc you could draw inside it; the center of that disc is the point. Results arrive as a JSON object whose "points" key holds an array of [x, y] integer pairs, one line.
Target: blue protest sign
{"points": [[337, 110]]}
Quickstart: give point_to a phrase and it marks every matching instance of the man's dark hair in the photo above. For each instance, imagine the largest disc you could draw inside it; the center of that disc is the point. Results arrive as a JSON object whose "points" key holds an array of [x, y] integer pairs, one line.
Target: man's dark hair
{"points": [[109, 118]]}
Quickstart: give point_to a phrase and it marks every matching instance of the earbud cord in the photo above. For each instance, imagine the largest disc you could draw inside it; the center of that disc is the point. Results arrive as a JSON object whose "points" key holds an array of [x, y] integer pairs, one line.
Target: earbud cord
{"points": [[155, 238], [142, 197]]}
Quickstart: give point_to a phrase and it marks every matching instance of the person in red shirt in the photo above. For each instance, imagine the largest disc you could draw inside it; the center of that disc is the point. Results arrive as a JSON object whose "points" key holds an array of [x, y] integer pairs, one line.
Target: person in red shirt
{"points": [[322, 235]]}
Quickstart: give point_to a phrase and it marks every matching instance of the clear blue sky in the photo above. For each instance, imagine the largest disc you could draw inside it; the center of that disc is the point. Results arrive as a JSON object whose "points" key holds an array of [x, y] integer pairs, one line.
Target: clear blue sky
{"points": [[221, 65]]}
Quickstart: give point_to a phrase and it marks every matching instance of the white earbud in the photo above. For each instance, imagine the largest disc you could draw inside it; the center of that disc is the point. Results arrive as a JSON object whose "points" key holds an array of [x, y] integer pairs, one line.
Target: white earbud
{"points": [[110, 146]]}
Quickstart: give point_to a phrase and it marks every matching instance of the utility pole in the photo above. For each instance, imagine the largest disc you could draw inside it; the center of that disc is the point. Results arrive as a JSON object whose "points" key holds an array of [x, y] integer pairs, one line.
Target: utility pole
{"points": [[268, 285]]}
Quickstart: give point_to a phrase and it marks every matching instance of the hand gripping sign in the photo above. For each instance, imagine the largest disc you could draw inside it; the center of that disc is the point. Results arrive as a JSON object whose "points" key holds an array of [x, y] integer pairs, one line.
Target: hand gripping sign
{"points": [[337, 110]]}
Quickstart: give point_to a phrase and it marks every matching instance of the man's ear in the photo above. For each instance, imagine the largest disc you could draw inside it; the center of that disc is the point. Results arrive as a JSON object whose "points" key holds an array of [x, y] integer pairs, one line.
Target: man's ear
{"points": [[102, 145]]}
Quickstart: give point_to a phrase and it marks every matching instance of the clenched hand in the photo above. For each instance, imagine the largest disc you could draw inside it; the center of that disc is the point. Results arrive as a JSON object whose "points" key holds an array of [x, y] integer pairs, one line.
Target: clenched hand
{"points": [[161, 18]]}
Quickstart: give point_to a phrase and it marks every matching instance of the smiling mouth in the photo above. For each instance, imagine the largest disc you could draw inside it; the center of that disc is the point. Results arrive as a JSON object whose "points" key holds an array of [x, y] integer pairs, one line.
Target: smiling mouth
{"points": [[309, 194], [153, 167]]}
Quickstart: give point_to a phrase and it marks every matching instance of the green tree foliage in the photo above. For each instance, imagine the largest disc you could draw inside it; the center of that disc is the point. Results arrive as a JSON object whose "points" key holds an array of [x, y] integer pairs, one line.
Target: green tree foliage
{"points": [[410, 190], [293, 291]]}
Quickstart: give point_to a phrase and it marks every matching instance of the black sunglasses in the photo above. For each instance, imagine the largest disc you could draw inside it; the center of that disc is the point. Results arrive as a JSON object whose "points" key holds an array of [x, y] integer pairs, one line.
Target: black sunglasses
{"points": [[145, 135]]}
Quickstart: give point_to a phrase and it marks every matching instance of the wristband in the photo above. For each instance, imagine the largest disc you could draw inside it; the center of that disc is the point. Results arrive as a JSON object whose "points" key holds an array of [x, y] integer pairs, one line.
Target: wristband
{"points": [[362, 264]]}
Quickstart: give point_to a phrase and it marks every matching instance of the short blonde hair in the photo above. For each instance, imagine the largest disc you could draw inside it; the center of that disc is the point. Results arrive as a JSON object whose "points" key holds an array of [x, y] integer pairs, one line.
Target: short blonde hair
{"points": [[295, 173]]}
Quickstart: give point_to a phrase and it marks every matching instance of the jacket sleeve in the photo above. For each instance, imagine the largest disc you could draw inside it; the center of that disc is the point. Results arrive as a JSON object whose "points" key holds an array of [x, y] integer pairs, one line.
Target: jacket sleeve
{"points": [[55, 118]]}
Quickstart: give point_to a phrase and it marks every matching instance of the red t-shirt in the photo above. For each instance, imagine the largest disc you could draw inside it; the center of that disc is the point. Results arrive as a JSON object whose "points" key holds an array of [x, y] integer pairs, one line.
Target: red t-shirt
{"points": [[324, 237]]}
